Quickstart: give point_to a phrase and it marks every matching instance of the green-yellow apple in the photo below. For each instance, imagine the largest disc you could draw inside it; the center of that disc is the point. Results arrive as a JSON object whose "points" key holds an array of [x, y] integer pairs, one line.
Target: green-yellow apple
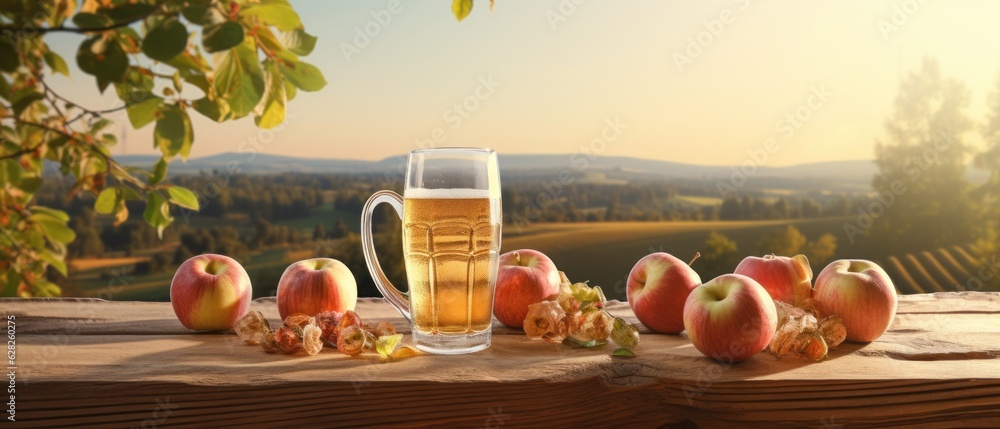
{"points": [[658, 286], [317, 285], [861, 293], [525, 277], [785, 279], [730, 318], [210, 292]]}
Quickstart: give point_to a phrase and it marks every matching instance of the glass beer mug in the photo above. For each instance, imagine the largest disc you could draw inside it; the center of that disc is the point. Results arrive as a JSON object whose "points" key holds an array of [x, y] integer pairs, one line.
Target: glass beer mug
{"points": [[451, 241]]}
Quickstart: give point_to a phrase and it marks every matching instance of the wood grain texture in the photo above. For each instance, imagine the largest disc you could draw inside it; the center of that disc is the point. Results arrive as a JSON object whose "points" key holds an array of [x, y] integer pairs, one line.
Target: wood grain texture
{"points": [[131, 364]]}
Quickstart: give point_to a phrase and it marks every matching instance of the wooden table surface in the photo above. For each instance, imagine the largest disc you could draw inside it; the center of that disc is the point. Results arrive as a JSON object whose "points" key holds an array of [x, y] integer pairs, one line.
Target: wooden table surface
{"points": [[132, 364]]}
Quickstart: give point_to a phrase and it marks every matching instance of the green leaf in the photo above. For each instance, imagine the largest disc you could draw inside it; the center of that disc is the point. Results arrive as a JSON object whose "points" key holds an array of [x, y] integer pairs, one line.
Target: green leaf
{"points": [[23, 102], [279, 15], [56, 231], [86, 21], [56, 63], [303, 75], [173, 133], [30, 184], [183, 197], [10, 171], [272, 111], [461, 8], [573, 343], [387, 344], [58, 215], [239, 80], [55, 261], [128, 194], [177, 81], [165, 41], [203, 14], [4, 87], [298, 41], [103, 59], [127, 12], [105, 202], [211, 109], [8, 54], [157, 212], [623, 352], [220, 37], [142, 113], [159, 171]]}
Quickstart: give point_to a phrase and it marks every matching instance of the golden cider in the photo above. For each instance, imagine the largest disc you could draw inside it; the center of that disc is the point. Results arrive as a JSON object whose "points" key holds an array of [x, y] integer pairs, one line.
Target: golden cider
{"points": [[451, 245]]}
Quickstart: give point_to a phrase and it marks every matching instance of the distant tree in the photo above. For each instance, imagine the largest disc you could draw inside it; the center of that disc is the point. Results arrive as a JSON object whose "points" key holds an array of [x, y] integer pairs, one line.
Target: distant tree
{"points": [[787, 241], [318, 232], [731, 209], [613, 207], [340, 229], [924, 198], [718, 256], [987, 245], [821, 250]]}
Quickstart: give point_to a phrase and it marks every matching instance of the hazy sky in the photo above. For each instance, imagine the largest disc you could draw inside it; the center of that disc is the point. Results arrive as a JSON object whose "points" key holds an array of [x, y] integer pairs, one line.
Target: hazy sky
{"points": [[558, 73]]}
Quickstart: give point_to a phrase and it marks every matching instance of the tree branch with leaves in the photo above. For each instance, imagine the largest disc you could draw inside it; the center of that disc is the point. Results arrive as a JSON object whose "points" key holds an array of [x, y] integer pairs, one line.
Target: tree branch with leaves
{"points": [[164, 59]]}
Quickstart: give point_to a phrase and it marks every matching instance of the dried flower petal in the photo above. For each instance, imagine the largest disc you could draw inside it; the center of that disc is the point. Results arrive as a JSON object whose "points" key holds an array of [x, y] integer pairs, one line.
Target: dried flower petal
{"points": [[351, 340], [623, 352], [328, 322], [811, 346], [405, 352], [286, 339], [387, 344], [624, 333], [297, 323], [384, 329], [312, 339], [542, 318], [595, 326], [268, 343], [252, 327], [832, 330]]}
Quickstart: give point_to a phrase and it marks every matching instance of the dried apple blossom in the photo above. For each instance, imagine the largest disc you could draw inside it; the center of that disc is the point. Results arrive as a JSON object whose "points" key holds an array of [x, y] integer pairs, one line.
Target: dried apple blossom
{"points": [[286, 339], [384, 329], [327, 322], [297, 322], [800, 334], [312, 340], [543, 318], [595, 325], [625, 334], [268, 343], [351, 340], [252, 327]]}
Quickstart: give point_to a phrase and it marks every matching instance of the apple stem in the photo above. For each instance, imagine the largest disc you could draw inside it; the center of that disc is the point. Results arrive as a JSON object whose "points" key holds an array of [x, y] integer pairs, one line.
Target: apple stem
{"points": [[696, 256], [517, 258], [769, 256]]}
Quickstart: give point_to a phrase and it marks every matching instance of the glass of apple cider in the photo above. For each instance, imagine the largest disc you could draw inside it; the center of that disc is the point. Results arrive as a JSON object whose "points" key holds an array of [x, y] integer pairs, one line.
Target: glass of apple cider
{"points": [[451, 216]]}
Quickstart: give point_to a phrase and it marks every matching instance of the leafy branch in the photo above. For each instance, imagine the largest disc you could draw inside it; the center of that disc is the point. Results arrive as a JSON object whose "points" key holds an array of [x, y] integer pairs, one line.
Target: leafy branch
{"points": [[120, 40]]}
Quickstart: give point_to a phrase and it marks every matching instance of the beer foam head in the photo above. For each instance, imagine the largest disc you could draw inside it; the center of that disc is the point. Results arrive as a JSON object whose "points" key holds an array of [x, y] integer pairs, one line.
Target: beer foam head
{"points": [[449, 193]]}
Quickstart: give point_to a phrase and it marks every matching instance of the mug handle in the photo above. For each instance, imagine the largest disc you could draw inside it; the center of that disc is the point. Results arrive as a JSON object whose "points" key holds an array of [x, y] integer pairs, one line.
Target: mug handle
{"points": [[398, 299]]}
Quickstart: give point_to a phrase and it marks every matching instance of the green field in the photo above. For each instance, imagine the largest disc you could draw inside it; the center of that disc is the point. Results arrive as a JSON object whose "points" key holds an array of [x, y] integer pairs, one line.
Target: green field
{"points": [[604, 253], [326, 215]]}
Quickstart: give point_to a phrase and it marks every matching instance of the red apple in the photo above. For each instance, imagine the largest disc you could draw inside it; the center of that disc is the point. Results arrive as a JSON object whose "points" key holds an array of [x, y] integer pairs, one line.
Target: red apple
{"points": [[861, 293], [785, 279], [658, 286], [525, 277], [210, 292], [730, 318], [316, 285]]}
